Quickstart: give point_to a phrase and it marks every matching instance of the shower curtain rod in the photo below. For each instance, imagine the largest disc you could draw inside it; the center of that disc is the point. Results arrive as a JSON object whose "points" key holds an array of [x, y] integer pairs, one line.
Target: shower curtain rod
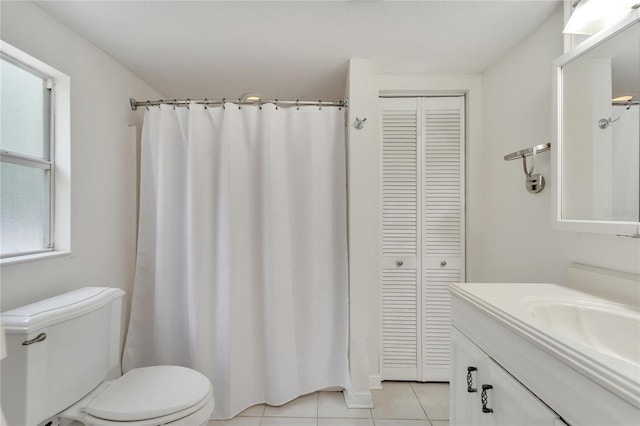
{"points": [[212, 102]]}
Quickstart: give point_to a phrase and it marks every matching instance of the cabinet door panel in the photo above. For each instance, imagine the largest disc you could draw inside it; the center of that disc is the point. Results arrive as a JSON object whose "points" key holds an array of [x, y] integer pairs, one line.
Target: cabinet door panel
{"points": [[513, 404], [508, 402], [468, 369]]}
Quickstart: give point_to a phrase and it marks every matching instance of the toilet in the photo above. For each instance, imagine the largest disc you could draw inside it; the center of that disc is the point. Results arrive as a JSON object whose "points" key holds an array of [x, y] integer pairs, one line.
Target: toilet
{"points": [[63, 368]]}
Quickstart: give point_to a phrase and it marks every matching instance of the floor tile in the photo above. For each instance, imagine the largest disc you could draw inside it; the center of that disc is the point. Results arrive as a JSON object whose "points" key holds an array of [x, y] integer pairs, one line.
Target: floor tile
{"points": [[289, 421], [396, 400], [331, 404], [304, 406], [236, 421], [396, 422], [434, 398], [324, 421]]}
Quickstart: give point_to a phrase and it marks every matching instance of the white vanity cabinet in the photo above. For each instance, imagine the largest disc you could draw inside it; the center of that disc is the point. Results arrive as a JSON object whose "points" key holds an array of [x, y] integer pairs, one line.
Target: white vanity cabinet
{"points": [[483, 393], [539, 376]]}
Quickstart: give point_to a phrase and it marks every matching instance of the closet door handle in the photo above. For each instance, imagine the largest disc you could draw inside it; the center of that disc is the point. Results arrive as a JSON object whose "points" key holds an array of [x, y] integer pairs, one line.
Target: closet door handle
{"points": [[399, 263], [485, 399], [470, 387]]}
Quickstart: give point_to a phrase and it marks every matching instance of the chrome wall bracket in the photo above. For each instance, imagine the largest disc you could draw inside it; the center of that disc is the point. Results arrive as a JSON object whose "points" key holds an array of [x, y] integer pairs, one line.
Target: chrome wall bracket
{"points": [[534, 182]]}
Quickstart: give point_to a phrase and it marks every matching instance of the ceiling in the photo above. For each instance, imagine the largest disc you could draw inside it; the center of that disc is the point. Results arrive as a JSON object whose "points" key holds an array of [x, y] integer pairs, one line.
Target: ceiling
{"points": [[296, 49]]}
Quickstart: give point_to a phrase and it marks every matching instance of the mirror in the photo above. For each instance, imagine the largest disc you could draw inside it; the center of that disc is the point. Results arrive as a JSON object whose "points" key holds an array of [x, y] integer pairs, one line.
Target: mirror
{"points": [[597, 156]]}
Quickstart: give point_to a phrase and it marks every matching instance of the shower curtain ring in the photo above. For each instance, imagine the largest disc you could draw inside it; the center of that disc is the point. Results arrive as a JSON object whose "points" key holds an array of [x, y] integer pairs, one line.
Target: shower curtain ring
{"points": [[276, 104], [298, 104], [206, 103], [188, 101], [175, 102], [320, 105], [239, 103], [223, 101]]}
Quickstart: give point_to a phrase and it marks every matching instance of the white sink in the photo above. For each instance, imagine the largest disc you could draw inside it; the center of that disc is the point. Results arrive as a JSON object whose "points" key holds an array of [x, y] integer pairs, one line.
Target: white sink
{"points": [[608, 328]]}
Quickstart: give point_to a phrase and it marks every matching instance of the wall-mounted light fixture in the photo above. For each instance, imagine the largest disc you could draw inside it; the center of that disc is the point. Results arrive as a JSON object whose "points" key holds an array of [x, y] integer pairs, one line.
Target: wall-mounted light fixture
{"points": [[590, 16]]}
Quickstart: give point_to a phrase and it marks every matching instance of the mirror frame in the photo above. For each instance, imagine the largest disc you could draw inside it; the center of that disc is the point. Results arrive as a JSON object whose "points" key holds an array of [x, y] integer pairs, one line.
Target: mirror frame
{"points": [[607, 227]]}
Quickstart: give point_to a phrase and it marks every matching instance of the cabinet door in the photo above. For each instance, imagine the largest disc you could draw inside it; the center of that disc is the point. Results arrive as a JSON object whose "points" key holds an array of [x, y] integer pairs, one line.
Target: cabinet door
{"points": [[468, 369], [498, 400], [512, 403]]}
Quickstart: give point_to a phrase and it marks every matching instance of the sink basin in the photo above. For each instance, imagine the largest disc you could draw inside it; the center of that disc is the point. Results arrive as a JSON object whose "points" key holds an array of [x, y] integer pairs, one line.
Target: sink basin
{"points": [[608, 328]]}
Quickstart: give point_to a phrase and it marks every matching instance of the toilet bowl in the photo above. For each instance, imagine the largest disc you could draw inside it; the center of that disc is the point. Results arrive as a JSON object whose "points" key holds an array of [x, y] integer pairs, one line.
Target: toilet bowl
{"points": [[63, 364]]}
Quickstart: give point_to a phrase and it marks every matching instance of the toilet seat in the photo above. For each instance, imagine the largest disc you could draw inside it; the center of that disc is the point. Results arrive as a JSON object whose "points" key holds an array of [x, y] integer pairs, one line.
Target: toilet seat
{"points": [[199, 414], [150, 396], [149, 392]]}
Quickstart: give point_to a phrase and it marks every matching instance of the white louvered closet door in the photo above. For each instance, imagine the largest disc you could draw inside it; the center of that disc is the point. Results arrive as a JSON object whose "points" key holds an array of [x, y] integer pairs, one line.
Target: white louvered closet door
{"points": [[443, 237], [400, 247], [422, 232]]}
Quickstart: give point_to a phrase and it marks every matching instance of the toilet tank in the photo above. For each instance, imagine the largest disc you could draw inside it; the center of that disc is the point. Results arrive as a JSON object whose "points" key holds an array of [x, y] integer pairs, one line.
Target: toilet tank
{"points": [[58, 350]]}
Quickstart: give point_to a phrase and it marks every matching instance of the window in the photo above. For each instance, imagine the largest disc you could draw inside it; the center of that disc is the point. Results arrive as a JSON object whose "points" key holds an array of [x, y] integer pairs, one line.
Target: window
{"points": [[26, 160], [26, 163]]}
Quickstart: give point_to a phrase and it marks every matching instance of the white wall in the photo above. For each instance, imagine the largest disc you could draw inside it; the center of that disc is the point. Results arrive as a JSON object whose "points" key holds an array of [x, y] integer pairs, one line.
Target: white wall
{"points": [[519, 243], [102, 168]]}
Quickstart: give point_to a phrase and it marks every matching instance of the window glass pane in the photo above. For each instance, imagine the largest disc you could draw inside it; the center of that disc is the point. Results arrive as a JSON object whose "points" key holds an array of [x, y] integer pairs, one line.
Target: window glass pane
{"points": [[24, 209], [22, 100]]}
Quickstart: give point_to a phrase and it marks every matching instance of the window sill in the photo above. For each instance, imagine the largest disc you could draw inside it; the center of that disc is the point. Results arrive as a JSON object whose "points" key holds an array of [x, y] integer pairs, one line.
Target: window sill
{"points": [[33, 257]]}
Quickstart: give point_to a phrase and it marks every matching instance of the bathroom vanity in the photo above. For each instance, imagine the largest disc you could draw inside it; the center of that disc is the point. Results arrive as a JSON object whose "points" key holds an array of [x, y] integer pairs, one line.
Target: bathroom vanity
{"points": [[543, 354]]}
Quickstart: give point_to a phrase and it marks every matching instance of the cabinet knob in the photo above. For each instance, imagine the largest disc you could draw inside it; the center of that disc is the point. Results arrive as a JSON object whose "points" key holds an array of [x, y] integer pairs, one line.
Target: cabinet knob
{"points": [[470, 387], [399, 263], [443, 264], [485, 399]]}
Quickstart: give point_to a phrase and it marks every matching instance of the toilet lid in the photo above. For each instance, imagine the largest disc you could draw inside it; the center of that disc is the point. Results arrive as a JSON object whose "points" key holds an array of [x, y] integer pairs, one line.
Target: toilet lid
{"points": [[149, 392]]}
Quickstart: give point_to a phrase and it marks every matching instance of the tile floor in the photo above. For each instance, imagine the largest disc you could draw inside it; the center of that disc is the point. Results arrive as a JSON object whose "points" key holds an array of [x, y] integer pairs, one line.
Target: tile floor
{"points": [[397, 404]]}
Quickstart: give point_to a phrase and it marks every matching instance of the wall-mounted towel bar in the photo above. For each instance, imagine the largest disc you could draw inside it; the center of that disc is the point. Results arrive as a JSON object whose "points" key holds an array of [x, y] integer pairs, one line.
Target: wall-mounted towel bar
{"points": [[528, 152], [534, 183]]}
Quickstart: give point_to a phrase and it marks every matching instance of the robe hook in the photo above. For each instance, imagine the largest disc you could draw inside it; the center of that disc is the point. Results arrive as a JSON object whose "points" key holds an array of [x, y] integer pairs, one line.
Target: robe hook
{"points": [[358, 123]]}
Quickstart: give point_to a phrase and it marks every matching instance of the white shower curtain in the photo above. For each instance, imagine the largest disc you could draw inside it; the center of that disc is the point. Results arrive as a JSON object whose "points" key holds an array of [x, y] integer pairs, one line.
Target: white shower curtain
{"points": [[242, 252]]}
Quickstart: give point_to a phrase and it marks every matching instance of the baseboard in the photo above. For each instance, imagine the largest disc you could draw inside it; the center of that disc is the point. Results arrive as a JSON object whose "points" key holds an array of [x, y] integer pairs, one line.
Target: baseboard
{"points": [[375, 382], [358, 399]]}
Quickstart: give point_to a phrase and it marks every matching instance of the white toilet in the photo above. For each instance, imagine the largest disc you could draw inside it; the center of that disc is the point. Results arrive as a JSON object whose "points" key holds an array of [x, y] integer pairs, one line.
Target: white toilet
{"points": [[63, 367]]}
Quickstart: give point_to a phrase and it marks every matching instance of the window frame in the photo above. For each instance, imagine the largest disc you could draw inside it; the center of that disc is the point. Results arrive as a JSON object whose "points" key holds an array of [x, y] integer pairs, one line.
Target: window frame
{"points": [[57, 121]]}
